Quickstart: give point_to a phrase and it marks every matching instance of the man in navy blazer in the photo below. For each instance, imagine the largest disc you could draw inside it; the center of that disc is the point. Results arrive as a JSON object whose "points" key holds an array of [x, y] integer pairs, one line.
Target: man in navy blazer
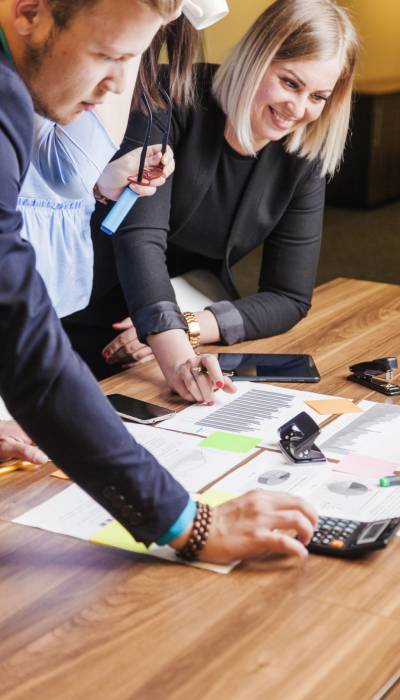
{"points": [[70, 53], [45, 386]]}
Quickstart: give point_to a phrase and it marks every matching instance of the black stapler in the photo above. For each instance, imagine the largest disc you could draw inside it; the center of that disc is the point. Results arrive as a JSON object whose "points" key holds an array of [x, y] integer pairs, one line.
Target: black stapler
{"points": [[297, 440], [366, 373]]}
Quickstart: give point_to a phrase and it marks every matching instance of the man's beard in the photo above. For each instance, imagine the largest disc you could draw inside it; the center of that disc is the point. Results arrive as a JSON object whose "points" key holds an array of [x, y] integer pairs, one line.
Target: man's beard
{"points": [[34, 57]]}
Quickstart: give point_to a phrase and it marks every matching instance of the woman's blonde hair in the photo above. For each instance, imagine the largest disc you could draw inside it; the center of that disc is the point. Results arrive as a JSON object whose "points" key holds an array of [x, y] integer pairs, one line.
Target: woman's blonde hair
{"points": [[293, 30]]}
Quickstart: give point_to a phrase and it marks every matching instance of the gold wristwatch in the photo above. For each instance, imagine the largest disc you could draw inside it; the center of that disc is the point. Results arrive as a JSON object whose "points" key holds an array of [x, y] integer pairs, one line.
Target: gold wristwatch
{"points": [[193, 328]]}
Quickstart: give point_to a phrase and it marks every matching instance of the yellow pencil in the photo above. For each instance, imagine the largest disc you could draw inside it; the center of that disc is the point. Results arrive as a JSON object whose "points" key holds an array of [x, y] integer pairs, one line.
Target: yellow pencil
{"points": [[16, 464], [8, 469]]}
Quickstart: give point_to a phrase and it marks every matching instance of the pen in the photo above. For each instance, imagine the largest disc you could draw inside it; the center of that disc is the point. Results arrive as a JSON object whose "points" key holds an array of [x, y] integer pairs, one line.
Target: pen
{"points": [[389, 481], [204, 370]]}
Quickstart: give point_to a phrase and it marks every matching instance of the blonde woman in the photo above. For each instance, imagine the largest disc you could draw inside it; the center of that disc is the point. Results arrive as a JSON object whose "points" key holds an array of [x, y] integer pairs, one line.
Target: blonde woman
{"points": [[251, 162]]}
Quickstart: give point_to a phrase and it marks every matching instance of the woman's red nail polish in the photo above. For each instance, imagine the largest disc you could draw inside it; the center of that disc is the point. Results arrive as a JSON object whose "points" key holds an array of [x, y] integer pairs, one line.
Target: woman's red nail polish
{"points": [[219, 384], [210, 403], [106, 354]]}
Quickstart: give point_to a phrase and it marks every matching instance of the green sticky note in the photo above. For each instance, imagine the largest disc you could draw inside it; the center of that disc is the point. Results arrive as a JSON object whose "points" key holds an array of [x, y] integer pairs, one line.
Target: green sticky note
{"points": [[229, 442], [115, 535]]}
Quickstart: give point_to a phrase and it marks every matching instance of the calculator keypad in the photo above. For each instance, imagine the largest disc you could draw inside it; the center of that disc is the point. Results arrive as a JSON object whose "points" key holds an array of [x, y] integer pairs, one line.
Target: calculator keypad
{"points": [[334, 532]]}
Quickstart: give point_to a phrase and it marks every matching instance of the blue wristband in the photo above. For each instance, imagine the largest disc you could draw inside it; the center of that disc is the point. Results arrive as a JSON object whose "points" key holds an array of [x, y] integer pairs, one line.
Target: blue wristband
{"points": [[186, 517]]}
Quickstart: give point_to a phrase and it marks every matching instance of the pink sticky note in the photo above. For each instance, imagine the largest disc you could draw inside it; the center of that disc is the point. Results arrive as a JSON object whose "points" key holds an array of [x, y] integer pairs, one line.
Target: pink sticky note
{"points": [[365, 466]]}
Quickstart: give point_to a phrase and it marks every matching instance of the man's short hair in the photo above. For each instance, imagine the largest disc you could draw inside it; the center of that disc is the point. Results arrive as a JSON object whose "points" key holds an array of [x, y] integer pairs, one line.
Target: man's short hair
{"points": [[64, 10]]}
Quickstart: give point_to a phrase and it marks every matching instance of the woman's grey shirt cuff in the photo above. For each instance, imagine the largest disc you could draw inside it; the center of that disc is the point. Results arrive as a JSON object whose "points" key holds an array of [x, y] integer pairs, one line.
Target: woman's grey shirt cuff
{"points": [[230, 322], [157, 318]]}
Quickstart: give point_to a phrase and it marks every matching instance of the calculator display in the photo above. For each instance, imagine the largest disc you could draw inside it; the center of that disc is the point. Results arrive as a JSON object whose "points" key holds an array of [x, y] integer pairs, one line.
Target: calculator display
{"points": [[371, 533]]}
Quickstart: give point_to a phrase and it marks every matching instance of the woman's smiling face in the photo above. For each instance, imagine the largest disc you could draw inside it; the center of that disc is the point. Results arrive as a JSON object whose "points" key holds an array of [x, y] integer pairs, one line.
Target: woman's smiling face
{"points": [[292, 94]]}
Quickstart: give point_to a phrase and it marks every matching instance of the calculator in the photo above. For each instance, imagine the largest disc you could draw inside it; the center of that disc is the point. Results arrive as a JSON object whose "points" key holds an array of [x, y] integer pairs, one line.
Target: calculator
{"points": [[350, 538]]}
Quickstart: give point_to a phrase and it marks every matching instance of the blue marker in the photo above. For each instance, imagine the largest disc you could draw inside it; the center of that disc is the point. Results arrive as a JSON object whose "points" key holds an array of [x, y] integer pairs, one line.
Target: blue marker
{"points": [[117, 214]]}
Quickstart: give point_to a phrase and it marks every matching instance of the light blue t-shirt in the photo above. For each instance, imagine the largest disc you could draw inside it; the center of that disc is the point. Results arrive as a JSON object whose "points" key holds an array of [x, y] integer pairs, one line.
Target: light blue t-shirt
{"points": [[56, 203]]}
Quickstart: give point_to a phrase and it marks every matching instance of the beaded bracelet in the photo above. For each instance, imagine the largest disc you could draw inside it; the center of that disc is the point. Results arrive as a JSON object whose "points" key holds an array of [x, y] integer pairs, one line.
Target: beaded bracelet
{"points": [[199, 534]]}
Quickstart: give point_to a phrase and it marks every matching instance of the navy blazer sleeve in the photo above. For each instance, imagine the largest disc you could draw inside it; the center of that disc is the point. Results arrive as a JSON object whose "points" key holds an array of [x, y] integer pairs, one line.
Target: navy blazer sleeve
{"points": [[46, 387]]}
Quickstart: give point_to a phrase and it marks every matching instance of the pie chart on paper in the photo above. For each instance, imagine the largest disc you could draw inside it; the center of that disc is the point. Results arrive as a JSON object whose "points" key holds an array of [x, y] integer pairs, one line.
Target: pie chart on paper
{"points": [[348, 488]]}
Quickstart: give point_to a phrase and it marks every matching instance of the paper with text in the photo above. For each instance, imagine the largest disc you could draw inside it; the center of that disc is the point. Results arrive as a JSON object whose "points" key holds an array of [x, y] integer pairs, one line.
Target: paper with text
{"points": [[74, 513], [256, 409], [193, 465], [374, 433], [331, 493]]}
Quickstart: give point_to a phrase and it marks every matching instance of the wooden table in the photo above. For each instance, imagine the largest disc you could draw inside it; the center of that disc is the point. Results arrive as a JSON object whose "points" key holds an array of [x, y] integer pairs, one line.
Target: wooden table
{"points": [[80, 621]]}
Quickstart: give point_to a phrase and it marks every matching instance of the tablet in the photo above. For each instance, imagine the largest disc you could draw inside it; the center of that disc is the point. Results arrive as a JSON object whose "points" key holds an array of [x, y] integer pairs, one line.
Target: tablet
{"points": [[269, 368]]}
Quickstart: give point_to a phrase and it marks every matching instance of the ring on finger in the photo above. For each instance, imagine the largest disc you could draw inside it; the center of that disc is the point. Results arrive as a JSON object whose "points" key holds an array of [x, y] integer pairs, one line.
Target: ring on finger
{"points": [[197, 370]]}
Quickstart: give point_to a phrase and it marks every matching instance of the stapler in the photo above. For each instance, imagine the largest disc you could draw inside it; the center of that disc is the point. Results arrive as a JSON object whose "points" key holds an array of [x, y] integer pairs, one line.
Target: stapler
{"points": [[366, 373], [297, 438]]}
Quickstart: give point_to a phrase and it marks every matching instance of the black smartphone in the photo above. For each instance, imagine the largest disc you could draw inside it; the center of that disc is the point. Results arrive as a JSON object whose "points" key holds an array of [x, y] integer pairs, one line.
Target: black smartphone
{"points": [[137, 410], [271, 368]]}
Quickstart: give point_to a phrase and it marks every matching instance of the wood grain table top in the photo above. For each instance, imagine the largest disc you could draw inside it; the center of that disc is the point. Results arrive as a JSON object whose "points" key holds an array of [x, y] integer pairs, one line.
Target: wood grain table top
{"points": [[80, 621]]}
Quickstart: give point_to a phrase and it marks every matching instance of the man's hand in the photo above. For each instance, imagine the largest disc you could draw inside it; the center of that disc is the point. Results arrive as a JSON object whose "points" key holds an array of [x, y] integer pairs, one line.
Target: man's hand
{"points": [[254, 524], [126, 349], [15, 444]]}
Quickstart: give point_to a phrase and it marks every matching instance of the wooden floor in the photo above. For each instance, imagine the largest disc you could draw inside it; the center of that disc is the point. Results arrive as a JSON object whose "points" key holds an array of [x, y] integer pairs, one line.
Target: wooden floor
{"points": [[82, 622]]}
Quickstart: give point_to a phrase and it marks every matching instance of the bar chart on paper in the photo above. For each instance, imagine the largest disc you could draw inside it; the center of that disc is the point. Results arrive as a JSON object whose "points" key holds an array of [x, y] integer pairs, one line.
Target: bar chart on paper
{"points": [[374, 433], [248, 412], [254, 410]]}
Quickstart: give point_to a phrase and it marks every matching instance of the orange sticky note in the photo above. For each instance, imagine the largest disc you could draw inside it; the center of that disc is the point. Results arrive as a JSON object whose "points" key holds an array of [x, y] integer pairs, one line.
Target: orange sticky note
{"points": [[59, 474], [327, 407]]}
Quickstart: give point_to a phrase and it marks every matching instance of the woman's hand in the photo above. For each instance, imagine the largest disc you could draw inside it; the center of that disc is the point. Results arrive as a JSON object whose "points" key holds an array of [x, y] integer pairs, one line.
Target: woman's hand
{"points": [[254, 524], [116, 176], [193, 377], [126, 349], [16, 444], [197, 378]]}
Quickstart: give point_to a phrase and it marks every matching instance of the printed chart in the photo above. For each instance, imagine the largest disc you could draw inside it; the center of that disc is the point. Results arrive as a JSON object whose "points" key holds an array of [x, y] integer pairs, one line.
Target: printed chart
{"points": [[374, 433], [255, 410], [332, 494]]}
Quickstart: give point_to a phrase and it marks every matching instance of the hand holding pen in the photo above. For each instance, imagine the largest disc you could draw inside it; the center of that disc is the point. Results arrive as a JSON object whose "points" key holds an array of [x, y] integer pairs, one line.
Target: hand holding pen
{"points": [[129, 197], [157, 168], [194, 377]]}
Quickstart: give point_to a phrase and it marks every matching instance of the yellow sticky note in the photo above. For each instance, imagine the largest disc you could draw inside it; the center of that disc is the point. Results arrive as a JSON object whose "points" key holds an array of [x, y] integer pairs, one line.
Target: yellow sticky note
{"points": [[115, 535], [215, 498], [333, 406]]}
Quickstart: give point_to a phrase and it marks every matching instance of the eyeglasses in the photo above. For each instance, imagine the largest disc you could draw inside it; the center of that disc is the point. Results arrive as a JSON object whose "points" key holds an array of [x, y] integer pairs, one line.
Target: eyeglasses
{"points": [[156, 171]]}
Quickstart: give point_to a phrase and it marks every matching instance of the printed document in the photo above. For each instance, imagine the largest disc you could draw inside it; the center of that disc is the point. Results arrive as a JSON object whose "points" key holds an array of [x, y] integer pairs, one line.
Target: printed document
{"points": [[255, 409], [374, 433], [332, 493], [193, 465], [73, 512]]}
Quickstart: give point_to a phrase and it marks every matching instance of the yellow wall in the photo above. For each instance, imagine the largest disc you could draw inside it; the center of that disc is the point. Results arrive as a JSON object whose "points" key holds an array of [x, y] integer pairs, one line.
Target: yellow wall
{"points": [[378, 22], [220, 38]]}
